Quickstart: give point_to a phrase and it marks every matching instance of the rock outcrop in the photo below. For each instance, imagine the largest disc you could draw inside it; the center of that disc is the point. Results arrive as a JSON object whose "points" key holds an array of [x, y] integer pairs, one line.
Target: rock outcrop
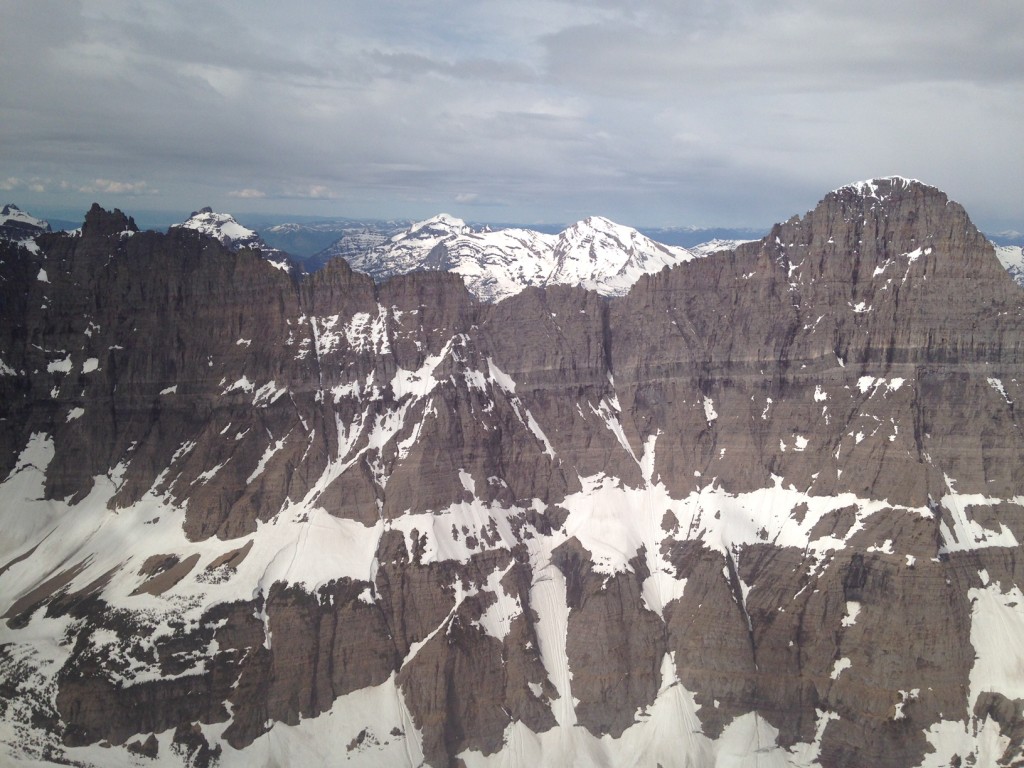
{"points": [[768, 503]]}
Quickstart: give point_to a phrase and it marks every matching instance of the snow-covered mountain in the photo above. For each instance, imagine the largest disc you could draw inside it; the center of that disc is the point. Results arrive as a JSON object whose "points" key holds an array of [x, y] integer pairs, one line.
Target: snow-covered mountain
{"points": [[421, 246], [1012, 259], [716, 245], [228, 232], [22, 227], [223, 227], [595, 253]]}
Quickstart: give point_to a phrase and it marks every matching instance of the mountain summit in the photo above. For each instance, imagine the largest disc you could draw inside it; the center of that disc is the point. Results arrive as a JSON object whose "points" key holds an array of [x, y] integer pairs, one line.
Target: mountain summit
{"points": [[766, 507], [223, 227], [228, 232], [15, 224], [595, 253]]}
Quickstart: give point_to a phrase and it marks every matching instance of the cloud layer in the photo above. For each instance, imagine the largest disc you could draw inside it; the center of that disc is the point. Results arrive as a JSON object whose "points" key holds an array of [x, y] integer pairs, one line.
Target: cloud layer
{"points": [[732, 112]]}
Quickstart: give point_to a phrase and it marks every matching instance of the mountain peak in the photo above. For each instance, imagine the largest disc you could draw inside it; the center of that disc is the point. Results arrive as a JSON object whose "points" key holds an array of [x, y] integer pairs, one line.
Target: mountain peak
{"points": [[597, 222], [99, 221], [440, 224], [882, 186], [13, 214], [608, 257], [602, 226], [19, 226], [223, 227]]}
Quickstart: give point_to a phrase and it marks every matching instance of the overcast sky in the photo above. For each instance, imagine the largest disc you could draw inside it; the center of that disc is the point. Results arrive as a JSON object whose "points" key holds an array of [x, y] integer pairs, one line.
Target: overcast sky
{"points": [[672, 112]]}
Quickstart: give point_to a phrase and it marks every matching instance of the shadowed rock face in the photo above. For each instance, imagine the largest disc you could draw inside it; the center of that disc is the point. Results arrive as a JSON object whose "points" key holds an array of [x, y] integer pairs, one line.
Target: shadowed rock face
{"points": [[773, 494]]}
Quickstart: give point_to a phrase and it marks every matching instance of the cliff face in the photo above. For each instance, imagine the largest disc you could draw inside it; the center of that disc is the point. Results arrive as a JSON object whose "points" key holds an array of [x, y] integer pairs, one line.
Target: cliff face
{"points": [[768, 503]]}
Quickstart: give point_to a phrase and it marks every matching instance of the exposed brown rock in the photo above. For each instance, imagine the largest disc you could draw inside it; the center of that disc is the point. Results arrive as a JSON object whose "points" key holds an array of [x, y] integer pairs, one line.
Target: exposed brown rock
{"points": [[21, 609], [148, 748], [165, 575]]}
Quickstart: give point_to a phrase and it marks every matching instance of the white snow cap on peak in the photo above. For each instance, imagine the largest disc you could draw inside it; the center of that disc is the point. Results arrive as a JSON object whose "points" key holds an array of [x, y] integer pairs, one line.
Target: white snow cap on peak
{"points": [[603, 226], [870, 187], [597, 222], [12, 213], [442, 221], [222, 226]]}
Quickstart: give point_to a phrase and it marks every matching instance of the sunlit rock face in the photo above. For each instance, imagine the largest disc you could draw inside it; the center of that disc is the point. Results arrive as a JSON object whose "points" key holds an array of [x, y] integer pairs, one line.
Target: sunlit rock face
{"points": [[765, 505]]}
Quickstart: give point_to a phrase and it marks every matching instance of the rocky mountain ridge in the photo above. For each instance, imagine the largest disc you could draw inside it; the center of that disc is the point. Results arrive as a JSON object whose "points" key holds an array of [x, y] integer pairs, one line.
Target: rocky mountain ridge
{"points": [[259, 519]]}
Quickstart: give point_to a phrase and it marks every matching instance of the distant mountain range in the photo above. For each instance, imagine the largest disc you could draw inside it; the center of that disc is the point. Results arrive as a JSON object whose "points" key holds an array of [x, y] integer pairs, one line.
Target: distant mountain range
{"points": [[594, 253], [495, 261], [315, 240]]}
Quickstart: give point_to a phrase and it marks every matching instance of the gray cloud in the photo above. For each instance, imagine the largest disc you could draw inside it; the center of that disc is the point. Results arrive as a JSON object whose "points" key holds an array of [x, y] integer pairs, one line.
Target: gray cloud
{"points": [[111, 187], [247, 194], [729, 112]]}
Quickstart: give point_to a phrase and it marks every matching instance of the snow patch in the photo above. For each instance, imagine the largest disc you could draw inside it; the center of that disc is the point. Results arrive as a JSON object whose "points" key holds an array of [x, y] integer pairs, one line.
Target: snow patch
{"points": [[267, 394], [864, 383], [905, 698], [500, 378], [997, 625], [997, 385], [840, 665], [268, 454], [966, 534], [243, 384], [60, 366], [709, 409]]}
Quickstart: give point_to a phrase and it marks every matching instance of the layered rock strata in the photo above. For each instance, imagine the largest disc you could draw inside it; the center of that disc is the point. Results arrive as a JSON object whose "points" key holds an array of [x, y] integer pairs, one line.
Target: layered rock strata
{"points": [[766, 504]]}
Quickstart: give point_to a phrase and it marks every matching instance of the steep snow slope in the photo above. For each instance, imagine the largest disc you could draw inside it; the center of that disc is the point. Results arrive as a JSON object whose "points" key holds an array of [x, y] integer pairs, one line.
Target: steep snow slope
{"points": [[1012, 259]]}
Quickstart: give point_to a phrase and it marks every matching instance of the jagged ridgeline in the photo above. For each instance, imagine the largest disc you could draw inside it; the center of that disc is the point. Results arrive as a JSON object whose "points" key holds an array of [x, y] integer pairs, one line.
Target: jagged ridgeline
{"points": [[763, 509]]}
